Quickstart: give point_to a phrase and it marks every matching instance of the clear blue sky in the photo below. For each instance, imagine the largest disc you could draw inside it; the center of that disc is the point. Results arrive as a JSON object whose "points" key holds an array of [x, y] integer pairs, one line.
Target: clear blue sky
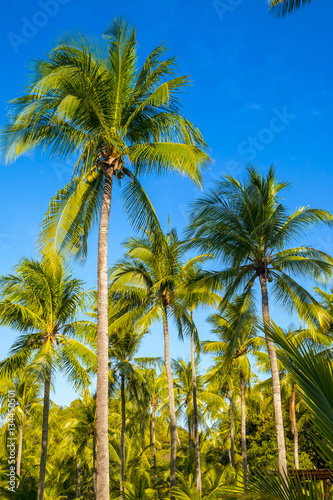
{"points": [[262, 91]]}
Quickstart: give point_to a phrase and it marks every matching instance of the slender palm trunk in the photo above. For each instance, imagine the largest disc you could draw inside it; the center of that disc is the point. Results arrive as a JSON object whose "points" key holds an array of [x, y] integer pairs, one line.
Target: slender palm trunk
{"points": [[45, 431], [19, 452], [232, 432], [78, 481], [173, 427], [243, 427], [195, 418], [102, 410], [294, 423], [282, 459], [94, 474], [189, 430], [123, 424], [154, 439]]}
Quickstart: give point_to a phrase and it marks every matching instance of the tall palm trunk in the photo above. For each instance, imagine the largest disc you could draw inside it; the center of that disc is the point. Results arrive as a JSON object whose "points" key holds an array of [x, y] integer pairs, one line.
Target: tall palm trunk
{"points": [[94, 475], [195, 418], [154, 438], [123, 425], [282, 459], [294, 423], [45, 431], [232, 432], [78, 481], [102, 409], [19, 452], [243, 427], [173, 427], [189, 430]]}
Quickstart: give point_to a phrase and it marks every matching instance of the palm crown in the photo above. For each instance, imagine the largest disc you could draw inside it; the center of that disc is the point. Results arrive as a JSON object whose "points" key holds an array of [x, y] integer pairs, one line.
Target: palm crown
{"points": [[101, 109], [249, 229]]}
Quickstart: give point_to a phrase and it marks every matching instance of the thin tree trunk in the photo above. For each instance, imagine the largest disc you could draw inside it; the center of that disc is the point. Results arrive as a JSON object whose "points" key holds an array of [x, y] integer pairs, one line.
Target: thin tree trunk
{"points": [[189, 430], [282, 459], [94, 474], [232, 433], [243, 427], [294, 423], [45, 430], [78, 481], [102, 409], [123, 424], [154, 440], [195, 418], [173, 427], [19, 452]]}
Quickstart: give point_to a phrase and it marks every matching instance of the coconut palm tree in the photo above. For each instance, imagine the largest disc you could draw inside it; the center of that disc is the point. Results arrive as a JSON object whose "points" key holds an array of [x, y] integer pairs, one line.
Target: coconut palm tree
{"points": [[96, 106], [124, 345], [152, 268], [43, 300], [191, 299], [249, 230], [236, 328], [284, 7], [26, 389]]}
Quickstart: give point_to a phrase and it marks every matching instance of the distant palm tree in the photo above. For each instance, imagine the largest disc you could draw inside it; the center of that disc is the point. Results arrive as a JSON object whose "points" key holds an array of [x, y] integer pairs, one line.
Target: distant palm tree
{"points": [[124, 345], [248, 228], [284, 7], [99, 108], [26, 387], [192, 299], [152, 268], [43, 301], [236, 328]]}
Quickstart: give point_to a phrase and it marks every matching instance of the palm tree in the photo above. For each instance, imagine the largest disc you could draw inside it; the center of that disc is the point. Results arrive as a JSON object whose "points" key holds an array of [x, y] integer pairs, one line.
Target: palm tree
{"points": [[108, 114], [192, 298], [184, 396], [284, 7], [42, 300], [248, 228], [236, 329], [152, 268], [26, 387], [157, 390], [124, 345]]}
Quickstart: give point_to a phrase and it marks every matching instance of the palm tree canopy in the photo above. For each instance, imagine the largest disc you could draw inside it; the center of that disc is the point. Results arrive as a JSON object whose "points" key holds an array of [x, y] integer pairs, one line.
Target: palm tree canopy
{"points": [[43, 300], [284, 7], [94, 104], [249, 229]]}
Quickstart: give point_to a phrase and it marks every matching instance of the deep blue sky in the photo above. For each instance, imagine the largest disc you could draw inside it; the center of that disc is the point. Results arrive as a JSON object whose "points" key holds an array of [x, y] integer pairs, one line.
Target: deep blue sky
{"points": [[248, 69]]}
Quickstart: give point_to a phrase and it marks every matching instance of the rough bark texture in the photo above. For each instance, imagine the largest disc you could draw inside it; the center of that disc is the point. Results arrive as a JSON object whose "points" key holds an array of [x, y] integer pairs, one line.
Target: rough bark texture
{"points": [[232, 433], [243, 427], [94, 472], [275, 380], [195, 419], [173, 427], [78, 481], [123, 425], [102, 344], [19, 453], [294, 423], [154, 440], [45, 430]]}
